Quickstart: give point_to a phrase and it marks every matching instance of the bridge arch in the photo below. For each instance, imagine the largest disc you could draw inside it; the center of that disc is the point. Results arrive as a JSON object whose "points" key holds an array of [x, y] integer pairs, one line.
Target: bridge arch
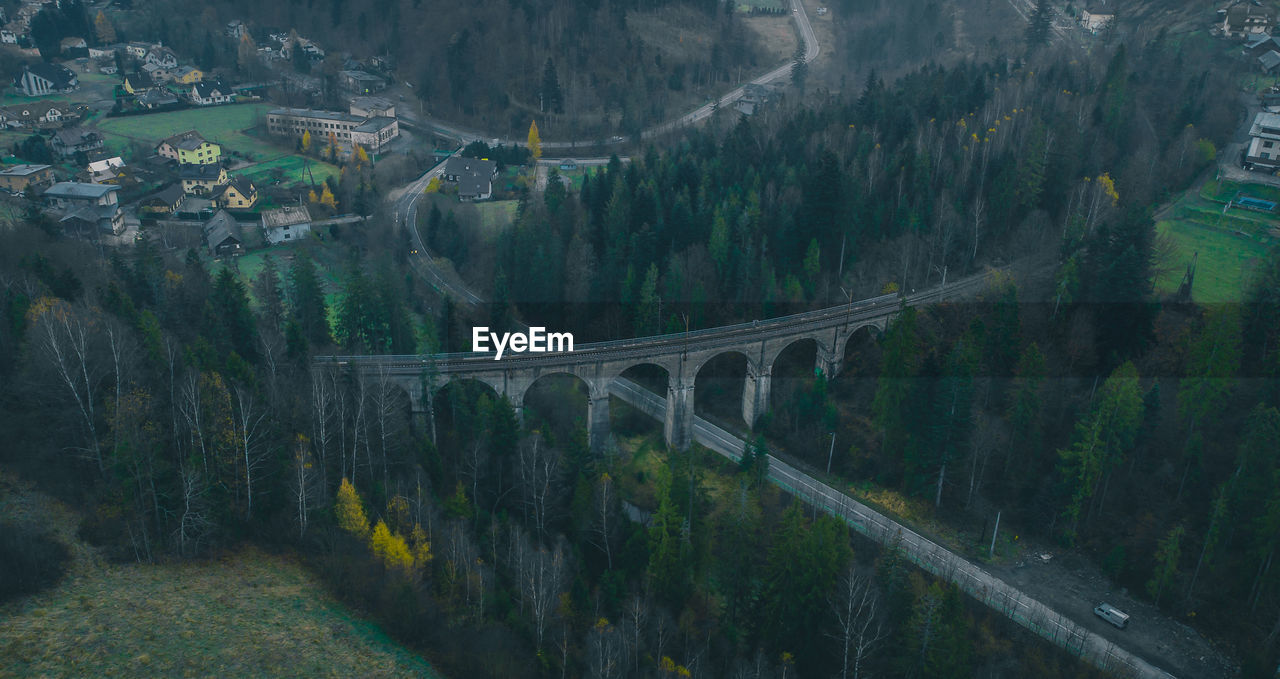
{"points": [[650, 377], [722, 380], [580, 389]]}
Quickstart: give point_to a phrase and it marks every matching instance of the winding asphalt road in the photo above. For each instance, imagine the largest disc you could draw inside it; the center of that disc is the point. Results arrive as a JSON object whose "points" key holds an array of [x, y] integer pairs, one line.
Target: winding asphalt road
{"points": [[811, 51]]}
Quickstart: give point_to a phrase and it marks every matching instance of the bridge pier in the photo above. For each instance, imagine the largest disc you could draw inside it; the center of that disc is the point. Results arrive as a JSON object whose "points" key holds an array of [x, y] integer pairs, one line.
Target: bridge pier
{"points": [[755, 393], [827, 361], [678, 425], [598, 421]]}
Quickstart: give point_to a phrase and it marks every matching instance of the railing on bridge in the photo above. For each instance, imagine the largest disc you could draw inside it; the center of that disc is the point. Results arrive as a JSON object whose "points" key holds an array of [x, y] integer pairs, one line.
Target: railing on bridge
{"points": [[877, 303]]}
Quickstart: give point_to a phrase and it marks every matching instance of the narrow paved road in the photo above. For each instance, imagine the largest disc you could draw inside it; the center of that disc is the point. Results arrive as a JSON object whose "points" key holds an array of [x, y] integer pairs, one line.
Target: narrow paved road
{"points": [[811, 51], [925, 553], [404, 202]]}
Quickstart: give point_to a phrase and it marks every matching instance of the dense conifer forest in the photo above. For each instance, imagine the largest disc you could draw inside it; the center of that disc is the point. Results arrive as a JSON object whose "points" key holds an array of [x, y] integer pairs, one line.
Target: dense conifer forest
{"points": [[175, 403]]}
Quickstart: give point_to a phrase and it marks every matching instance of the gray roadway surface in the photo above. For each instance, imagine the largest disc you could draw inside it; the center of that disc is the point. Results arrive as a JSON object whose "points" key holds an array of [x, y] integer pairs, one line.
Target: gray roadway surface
{"points": [[811, 51], [927, 554], [930, 556]]}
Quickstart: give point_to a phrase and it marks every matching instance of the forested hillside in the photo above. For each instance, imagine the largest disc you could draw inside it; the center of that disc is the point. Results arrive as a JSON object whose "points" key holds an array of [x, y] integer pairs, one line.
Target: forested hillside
{"points": [[174, 400], [575, 65]]}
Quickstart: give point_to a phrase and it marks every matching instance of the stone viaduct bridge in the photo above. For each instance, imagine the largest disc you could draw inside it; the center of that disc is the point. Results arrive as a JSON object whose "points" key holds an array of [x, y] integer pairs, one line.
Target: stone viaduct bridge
{"points": [[682, 355]]}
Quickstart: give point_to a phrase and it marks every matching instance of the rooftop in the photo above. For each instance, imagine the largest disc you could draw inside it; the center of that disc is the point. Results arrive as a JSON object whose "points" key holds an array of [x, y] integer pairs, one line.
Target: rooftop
{"points": [[22, 170], [316, 115], [373, 124], [285, 216], [1265, 124], [79, 191]]}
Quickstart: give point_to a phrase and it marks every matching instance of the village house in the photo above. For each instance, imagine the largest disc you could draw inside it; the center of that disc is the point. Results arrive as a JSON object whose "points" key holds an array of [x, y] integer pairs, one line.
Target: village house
{"points": [[1269, 62], [71, 141], [86, 206], [237, 194], [73, 47], [104, 171], [41, 79], [360, 82], [1098, 16], [222, 235], [40, 114], [8, 37], [235, 29], [201, 180], [17, 179], [473, 176], [137, 50], [1244, 18], [156, 97], [161, 56], [186, 75], [164, 201], [1264, 144], [347, 129], [210, 93], [286, 224], [372, 107], [157, 73], [189, 148]]}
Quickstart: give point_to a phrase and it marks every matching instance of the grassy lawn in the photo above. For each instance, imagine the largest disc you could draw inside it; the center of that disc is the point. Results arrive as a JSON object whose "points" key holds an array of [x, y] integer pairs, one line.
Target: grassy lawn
{"points": [[1225, 262], [245, 615], [295, 170], [1223, 191], [748, 5], [225, 125], [496, 215]]}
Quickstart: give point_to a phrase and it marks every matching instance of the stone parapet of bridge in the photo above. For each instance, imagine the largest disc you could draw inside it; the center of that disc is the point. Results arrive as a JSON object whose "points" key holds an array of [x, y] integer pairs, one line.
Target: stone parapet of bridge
{"points": [[681, 355]]}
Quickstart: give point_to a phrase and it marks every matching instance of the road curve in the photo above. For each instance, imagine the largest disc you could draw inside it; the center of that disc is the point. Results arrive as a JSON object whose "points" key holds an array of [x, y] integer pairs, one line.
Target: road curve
{"points": [[930, 556], [811, 51]]}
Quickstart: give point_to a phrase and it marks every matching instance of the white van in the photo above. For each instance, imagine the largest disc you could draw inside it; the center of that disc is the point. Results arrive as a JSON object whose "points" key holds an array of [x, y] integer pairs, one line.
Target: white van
{"points": [[1112, 615]]}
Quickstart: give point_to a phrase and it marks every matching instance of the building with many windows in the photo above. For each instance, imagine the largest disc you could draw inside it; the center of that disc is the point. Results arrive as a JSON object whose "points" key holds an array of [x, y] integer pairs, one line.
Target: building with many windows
{"points": [[348, 130]]}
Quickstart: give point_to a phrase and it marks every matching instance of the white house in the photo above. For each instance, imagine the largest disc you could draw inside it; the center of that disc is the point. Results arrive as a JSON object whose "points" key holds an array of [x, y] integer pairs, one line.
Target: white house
{"points": [[1264, 143], [286, 224], [211, 92]]}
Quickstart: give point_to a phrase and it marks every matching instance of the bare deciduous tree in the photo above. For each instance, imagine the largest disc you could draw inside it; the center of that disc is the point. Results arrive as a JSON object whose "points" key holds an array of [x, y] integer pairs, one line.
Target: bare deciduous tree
{"points": [[858, 627]]}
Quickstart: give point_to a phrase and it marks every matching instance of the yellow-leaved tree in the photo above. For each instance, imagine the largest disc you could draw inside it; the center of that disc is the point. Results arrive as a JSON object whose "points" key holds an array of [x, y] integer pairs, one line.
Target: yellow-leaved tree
{"points": [[361, 155], [102, 26], [306, 140], [327, 199], [535, 142], [421, 547], [390, 548], [349, 512], [313, 197]]}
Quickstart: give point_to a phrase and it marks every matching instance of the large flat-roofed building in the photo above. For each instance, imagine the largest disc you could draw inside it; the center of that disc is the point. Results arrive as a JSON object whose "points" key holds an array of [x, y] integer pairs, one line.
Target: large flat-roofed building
{"points": [[371, 133]]}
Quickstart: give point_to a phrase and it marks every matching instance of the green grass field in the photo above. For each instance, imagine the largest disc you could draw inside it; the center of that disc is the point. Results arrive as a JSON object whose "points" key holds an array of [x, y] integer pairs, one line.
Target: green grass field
{"points": [[496, 215], [294, 170], [246, 615], [1230, 243], [1224, 264], [225, 125]]}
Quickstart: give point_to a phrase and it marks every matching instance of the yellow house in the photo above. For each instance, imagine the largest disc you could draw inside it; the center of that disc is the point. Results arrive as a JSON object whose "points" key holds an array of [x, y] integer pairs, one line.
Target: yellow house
{"points": [[189, 148], [187, 75], [237, 194], [201, 180]]}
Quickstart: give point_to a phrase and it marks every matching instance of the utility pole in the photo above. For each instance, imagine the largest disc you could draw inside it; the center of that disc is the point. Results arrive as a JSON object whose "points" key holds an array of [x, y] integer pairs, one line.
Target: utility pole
{"points": [[992, 552], [830, 452]]}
